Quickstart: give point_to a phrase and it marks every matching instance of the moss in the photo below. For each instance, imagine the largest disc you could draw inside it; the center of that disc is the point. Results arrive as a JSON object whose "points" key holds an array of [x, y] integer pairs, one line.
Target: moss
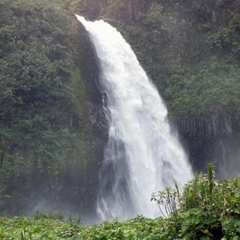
{"points": [[79, 95]]}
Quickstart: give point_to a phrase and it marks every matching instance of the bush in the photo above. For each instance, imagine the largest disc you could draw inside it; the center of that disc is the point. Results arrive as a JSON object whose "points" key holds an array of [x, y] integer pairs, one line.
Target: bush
{"points": [[207, 208]]}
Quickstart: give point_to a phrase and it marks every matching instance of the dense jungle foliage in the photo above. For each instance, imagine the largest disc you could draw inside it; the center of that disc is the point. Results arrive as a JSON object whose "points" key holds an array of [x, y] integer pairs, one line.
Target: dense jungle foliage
{"points": [[191, 50], [45, 141], [207, 209], [48, 146]]}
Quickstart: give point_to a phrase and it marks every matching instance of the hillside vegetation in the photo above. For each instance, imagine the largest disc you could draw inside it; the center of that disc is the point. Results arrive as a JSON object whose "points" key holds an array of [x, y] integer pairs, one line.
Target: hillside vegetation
{"points": [[45, 134], [190, 49]]}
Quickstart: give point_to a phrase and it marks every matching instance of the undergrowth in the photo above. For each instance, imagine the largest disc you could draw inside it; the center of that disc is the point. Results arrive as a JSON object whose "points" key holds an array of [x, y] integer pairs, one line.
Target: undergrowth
{"points": [[206, 209]]}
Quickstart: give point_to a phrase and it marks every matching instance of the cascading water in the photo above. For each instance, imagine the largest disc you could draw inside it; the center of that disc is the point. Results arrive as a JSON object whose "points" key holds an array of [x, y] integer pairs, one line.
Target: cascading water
{"points": [[142, 155]]}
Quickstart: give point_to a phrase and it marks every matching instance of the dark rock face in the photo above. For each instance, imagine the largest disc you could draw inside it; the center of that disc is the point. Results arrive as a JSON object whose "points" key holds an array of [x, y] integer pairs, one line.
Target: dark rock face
{"points": [[213, 137], [98, 125], [216, 122], [90, 70]]}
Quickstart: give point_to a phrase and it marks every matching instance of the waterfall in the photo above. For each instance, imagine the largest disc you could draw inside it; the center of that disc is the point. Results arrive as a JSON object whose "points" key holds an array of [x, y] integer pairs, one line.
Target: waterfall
{"points": [[142, 155]]}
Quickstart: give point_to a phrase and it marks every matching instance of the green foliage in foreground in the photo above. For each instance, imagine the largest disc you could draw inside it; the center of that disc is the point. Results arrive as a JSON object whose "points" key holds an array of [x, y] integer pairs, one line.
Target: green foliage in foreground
{"points": [[207, 209]]}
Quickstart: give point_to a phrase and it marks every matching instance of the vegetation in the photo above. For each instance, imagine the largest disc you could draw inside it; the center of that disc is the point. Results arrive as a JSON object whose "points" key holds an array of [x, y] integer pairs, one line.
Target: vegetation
{"points": [[45, 137], [191, 52], [207, 209]]}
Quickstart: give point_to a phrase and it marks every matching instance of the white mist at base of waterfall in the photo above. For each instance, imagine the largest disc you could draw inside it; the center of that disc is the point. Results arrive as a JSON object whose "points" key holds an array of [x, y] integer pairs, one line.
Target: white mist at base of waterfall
{"points": [[142, 155]]}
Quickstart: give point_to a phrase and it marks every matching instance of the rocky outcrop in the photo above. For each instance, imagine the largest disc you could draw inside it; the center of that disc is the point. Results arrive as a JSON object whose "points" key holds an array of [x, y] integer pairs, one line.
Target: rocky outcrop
{"points": [[91, 76], [213, 123], [213, 137]]}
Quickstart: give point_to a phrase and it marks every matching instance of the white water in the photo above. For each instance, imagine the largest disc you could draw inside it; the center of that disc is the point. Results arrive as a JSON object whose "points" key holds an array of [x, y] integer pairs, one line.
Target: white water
{"points": [[142, 155]]}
